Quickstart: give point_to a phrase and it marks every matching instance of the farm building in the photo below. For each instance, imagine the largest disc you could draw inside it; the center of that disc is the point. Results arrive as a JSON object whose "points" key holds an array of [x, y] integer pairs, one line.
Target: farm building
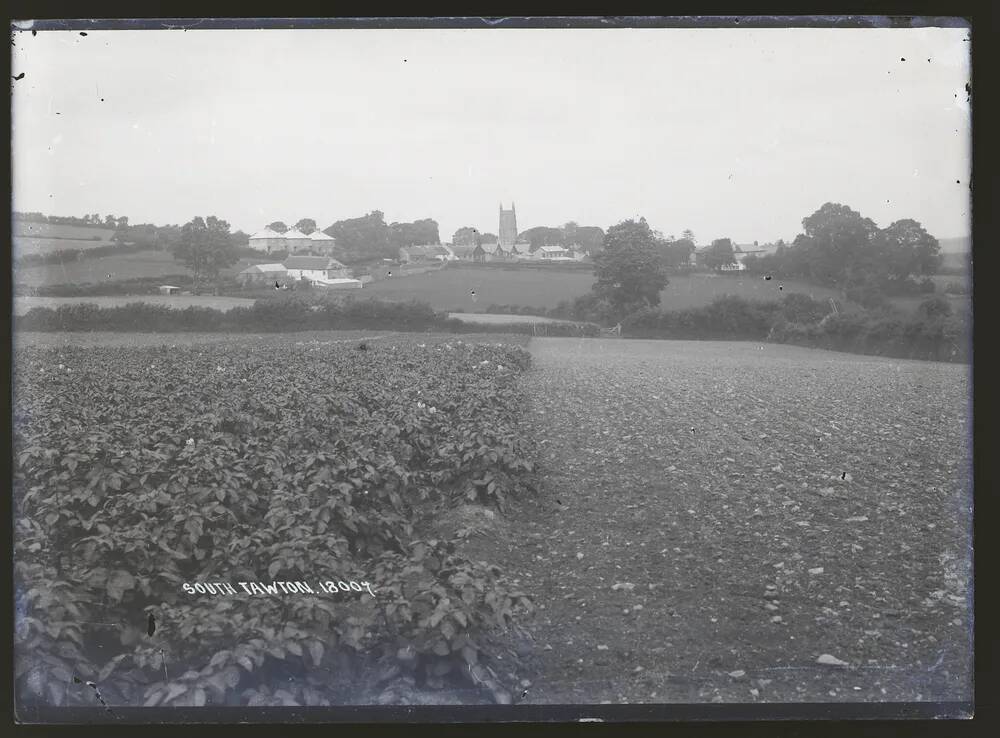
{"points": [[262, 274], [430, 252], [169, 289], [315, 268], [321, 243], [297, 242], [267, 240]]}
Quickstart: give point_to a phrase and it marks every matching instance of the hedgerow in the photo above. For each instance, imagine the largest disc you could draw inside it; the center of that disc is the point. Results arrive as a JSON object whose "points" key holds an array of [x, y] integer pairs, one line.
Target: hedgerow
{"points": [[139, 470], [305, 311]]}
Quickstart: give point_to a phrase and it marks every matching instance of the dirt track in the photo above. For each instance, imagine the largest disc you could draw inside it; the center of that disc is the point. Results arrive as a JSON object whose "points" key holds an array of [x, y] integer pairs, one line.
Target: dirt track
{"points": [[693, 491]]}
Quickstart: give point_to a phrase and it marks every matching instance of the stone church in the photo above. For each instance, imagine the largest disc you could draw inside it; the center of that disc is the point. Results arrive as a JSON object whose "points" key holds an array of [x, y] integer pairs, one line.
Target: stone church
{"points": [[508, 227]]}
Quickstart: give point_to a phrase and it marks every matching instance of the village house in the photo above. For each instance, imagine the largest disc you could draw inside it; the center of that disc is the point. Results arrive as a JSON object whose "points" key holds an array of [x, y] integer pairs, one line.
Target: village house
{"points": [[742, 250], [490, 252], [553, 253], [461, 252], [430, 252]]}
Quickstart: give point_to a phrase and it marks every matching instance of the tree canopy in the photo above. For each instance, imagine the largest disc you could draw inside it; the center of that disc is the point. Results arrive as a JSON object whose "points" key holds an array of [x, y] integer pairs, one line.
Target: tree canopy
{"points": [[720, 253], [277, 226], [469, 236], [205, 247], [841, 248], [418, 233], [629, 270], [306, 225], [362, 239]]}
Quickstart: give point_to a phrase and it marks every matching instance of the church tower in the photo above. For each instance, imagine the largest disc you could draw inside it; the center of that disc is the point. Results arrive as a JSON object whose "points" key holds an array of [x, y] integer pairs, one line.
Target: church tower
{"points": [[508, 226]]}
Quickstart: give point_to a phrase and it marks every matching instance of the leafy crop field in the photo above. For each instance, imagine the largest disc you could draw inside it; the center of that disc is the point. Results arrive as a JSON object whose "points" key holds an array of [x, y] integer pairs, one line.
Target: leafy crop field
{"points": [[151, 263], [142, 473]]}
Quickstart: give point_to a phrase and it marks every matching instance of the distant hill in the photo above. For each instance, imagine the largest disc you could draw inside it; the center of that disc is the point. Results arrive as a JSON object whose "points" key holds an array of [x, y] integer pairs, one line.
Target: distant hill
{"points": [[958, 245]]}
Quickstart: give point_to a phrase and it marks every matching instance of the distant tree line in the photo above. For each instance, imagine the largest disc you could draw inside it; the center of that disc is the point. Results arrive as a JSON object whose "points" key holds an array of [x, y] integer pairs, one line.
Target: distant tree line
{"points": [[369, 238], [840, 248], [93, 220]]}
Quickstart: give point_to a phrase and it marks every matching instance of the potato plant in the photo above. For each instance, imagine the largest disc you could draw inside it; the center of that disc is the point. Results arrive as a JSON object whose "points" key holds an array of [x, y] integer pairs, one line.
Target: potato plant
{"points": [[139, 470]]}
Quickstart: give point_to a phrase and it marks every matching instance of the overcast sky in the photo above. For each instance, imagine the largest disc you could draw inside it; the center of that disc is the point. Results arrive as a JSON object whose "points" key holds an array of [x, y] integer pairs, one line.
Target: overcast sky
{"points": [[737, 133]]}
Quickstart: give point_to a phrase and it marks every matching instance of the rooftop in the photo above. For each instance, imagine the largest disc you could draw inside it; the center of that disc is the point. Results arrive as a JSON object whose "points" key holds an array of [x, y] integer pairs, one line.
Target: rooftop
{"points": [[267, 233], [312, 262]]}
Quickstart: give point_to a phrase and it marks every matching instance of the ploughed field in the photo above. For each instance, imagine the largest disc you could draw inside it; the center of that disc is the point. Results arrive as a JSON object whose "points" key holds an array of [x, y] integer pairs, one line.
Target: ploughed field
{"points": [[262, 522], [715, 519]]}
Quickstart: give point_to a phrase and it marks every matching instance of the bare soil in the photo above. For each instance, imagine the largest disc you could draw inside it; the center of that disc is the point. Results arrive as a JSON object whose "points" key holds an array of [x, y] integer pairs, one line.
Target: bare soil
{"points": [[715, 517]]}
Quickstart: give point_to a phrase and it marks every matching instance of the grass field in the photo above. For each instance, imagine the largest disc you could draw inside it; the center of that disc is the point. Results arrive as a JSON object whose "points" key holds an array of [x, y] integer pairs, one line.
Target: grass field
{"points": [[30, 238], [59, 231], [491, 319], [23, 304], [151, 263], [451, 289]]}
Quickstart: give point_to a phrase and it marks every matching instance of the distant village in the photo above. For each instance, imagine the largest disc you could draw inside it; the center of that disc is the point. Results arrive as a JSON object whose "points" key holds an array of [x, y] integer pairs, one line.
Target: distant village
{"points": [[309, 256]]}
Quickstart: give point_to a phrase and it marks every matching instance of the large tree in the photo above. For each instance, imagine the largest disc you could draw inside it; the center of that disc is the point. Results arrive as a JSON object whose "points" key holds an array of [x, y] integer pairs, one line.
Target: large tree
{"points": [[363, 239], [206, 247], [277, 226], [543, 236], [908, 250], [469, 236], [418, 233], [629, 270], [677, 253], [838, 242], [719, 254], [306, 225]]}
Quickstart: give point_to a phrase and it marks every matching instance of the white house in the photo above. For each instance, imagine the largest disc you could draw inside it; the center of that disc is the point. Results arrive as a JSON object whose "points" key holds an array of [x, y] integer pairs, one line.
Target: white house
{"points": [[553, 253], [320, 270]]}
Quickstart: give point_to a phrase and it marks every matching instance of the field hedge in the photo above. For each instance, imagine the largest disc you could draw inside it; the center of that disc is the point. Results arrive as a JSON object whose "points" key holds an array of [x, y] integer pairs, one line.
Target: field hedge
{"points": [[931, 332], [137, 471], [62, 256], [121, 287], [305, 311]]}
